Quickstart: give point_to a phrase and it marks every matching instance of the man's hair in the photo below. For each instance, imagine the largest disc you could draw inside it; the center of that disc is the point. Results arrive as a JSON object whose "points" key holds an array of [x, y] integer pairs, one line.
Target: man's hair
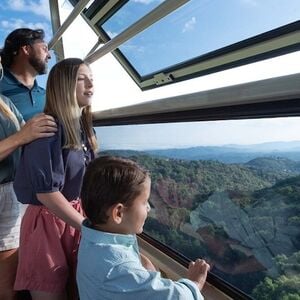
{"points": [[17, 39], [110, 180], [61, 103]]}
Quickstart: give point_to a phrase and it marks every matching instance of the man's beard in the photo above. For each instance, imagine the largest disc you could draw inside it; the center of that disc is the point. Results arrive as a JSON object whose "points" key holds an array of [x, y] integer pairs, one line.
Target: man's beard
{"points": [[39, 65]]}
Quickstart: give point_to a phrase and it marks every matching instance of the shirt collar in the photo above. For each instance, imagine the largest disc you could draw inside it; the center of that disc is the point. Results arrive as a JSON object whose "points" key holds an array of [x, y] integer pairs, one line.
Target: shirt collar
{"points": [[101, 237], [11, 79]]}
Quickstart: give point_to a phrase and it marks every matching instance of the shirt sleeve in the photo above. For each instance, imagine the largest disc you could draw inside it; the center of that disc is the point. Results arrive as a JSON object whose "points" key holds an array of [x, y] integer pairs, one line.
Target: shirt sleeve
{"points": [[43, 162], [139, 283]]}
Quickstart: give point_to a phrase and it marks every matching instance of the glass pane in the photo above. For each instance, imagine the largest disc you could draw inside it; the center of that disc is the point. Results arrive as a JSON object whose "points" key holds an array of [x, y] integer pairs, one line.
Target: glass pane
{"points": [[228, 191], [108, 73], [131, 12], [197, 28]]}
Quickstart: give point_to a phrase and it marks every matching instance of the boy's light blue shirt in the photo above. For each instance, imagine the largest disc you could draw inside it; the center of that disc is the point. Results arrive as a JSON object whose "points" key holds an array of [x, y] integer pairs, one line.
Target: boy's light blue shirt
{"points": [[109, 267]]}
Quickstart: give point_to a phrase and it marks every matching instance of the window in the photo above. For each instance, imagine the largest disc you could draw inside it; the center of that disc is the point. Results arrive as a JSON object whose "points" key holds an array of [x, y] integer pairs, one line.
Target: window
{"points": [[224, 162], [114, 88], [225, 179], [193, 37], [225, 190]]}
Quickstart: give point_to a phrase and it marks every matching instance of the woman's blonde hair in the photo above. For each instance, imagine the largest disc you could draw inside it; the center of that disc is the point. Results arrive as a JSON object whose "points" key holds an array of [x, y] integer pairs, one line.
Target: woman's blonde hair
{"points": [[6, 111], [61, 103]]}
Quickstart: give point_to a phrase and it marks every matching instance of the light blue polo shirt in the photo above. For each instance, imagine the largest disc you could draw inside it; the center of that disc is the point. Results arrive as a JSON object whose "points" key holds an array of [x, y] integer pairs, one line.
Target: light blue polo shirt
{"points": [[29, 102], [109, 267], [9, 164]]}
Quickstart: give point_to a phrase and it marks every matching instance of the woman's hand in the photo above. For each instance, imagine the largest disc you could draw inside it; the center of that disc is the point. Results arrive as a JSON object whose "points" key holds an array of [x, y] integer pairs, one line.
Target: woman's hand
{"points": [[58, 205], [39, 126]]}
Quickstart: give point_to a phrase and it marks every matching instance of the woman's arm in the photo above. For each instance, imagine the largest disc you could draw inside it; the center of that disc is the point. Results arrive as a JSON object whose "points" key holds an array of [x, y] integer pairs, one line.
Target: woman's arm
{"points": [[58, 205], [39, 126]]}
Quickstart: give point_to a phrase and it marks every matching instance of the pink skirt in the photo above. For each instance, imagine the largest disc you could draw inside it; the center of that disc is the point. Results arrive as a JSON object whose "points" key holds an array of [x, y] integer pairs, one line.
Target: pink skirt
{"points": [[47, 252]]}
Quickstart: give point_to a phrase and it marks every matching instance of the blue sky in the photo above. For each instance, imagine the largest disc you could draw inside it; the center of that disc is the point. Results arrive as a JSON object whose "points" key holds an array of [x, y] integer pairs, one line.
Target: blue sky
{"points": [[198, 27], [24, 13], [212, 133]]}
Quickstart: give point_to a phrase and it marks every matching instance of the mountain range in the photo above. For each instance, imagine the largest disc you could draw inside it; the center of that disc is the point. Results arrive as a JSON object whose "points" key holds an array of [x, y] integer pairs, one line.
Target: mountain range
{"points": [[232, 153]]}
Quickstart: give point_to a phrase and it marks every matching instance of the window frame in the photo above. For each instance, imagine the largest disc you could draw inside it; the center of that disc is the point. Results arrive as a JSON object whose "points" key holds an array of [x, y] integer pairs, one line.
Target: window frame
{"points": [[279, 41], [259, 99]]}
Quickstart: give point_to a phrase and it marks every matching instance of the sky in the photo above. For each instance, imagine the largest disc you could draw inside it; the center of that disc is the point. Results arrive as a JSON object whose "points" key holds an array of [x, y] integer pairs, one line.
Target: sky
{"points": [[207, 25], [108, 74], [211, 133], [24, 13]]}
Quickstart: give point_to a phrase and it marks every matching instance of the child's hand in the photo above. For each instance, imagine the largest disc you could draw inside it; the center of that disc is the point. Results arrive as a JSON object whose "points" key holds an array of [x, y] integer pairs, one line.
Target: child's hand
{"points": [[197, 272], [147, 264]]}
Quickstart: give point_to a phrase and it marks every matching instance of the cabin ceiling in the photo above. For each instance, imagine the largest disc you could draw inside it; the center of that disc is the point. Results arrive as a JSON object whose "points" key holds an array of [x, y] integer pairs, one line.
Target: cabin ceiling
{"points": [[163, 42]]}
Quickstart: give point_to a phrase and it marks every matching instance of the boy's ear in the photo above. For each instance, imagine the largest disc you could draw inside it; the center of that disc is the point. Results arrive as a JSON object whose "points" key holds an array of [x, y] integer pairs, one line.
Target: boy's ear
{"points": [[117, 213]]}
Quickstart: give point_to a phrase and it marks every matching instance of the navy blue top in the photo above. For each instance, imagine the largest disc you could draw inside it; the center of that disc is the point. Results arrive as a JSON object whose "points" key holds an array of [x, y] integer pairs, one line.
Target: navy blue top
{"points": [[29, 102], [7, 127], [46, 167]]}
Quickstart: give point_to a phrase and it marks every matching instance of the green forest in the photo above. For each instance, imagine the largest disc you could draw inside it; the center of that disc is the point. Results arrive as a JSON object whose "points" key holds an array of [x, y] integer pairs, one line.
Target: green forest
{"points": [[243, 218]]}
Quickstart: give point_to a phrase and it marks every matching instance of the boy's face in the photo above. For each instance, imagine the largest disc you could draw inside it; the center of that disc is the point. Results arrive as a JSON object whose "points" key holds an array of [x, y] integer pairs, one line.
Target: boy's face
{"points": [[134, 216]]}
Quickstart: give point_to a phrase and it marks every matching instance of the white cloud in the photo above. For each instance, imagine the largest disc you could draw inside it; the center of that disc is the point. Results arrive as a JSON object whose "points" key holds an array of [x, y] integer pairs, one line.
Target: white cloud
{"points": [[145, 1], [111, 34], [134, 48], [40, 7], [189, 25], [12, 24], [250, 2]]}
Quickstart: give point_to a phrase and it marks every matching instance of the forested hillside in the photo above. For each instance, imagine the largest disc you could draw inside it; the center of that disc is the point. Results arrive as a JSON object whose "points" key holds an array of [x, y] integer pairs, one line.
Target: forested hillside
{"points": [[242, 217]]}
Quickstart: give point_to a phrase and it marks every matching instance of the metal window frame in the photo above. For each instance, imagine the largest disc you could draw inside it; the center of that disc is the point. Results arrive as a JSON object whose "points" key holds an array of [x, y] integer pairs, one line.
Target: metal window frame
{"points": [[273, 43], [269, 97]]}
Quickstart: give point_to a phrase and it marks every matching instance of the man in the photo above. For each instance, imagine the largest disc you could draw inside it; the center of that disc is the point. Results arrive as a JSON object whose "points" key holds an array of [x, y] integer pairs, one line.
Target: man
{"points": [[24, 56]]}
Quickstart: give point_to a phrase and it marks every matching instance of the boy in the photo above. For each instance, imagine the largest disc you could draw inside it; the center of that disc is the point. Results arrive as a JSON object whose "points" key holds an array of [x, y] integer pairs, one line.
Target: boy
{"points": [[114, 197]]}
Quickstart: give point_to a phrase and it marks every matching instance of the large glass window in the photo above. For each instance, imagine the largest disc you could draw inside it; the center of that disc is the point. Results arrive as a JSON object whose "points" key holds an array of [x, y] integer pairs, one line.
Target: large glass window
{"points": [[114, 88], [195, 29], [163, 42], [228, 191]]}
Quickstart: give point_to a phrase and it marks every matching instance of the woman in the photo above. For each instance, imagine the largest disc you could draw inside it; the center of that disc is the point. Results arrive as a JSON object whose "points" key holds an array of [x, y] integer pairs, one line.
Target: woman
{"points": [[49, 180], [13, 134]]}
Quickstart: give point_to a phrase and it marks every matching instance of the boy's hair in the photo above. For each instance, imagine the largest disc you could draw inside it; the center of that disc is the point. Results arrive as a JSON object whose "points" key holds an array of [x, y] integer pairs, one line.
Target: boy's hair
{"points": [[110, 180], [17, 39], [61, 102]]}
